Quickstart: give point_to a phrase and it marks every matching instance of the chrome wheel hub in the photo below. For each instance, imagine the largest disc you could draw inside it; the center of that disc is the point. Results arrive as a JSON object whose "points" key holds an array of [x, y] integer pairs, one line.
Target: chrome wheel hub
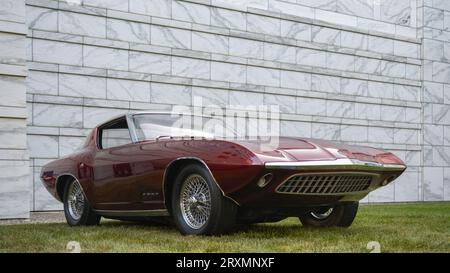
{"points": [[322, 214], [75, 201], [195, 201]]}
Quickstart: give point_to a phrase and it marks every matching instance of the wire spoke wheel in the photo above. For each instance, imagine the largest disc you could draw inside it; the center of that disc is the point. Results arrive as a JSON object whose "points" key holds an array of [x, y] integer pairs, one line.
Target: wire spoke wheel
{"points": [[195, 201], [75, 200], [322, 214]]}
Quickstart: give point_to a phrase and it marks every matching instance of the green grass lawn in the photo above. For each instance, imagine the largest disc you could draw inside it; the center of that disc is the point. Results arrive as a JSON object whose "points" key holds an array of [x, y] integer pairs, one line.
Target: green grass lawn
{"points": [[398, 228]]}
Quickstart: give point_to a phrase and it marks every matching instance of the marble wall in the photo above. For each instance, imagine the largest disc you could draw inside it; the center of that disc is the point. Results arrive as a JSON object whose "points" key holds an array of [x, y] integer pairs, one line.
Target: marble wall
{"points": [[435, 28], [346, 70], [15, 184]]}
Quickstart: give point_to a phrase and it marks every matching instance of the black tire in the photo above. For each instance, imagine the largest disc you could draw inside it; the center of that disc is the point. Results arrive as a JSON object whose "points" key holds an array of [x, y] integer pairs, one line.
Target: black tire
{"points": [[87, 216], [341, 216], [222, 213]]}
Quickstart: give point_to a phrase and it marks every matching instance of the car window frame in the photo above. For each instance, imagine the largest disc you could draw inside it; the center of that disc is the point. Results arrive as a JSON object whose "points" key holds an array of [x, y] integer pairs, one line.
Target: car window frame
{"points": [[109, 123]]}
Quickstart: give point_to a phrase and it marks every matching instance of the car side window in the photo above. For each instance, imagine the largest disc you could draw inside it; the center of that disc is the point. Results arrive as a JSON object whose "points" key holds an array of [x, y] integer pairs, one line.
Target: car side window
{"points": [[114, 134]]}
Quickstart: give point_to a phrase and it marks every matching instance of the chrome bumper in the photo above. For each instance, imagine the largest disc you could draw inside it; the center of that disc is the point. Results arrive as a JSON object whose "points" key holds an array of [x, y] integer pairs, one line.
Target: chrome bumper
{"points": [[338, 164]]}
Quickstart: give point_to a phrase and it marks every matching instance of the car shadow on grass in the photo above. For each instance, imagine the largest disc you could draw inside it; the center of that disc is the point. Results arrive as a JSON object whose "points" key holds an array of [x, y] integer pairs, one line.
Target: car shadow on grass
{"points": [[272, 230]]}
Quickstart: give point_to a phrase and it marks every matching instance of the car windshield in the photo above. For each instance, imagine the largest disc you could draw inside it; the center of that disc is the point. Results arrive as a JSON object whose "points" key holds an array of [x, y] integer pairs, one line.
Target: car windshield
{"points": [[161, 126]]}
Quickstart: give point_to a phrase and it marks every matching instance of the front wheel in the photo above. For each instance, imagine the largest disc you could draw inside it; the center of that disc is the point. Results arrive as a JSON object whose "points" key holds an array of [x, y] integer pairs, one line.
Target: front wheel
{"points": [[341, 215], [77, 209], [198, 205]]}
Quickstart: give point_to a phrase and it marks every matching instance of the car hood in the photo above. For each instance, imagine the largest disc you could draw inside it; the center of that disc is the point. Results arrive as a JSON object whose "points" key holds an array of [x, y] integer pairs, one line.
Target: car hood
{"points": [[288, 149]]}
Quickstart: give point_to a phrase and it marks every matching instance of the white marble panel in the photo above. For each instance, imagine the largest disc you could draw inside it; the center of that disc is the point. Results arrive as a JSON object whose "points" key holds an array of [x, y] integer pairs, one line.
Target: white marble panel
{"points": [[327, 84], [263, 25], [279, 53], [42, 18], [246, 48], [381, 135], [150, 63], [406, 136], [14, 189], [57, 52], [191, 12], [42, 83], [159, 8], [311, 106], [170, 94], [354, 87], [366, 65], [311, 57], [295, 129], [209, 97], [68, 145], [393, 113], [57, 115], [381, 45], [326, 35], [326, 131], [354, 40], [82, 86], [242, 98], [340, 62], [396, 11], [110, 4], [128, 31], [295, 30], [296, 80], [170, 37], [287, 104], [108, 58], [43, 146], [81, 24], [433, 134], [228, 72], [263, 76], [433, 183], [354, 133], [367, 111], [363, 8], [12, 10], [228, 19], [128, 90], [192, 68], [340, 109], [12, 91], [381, 90], [12, 133], [210, 42]]}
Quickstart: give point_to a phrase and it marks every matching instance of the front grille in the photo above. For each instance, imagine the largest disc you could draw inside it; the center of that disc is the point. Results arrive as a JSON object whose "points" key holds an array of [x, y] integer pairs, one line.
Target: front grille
{"points": [[325, 184]]}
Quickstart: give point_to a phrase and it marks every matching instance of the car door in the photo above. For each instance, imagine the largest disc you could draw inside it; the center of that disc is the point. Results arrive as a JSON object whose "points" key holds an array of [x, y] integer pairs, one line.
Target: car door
{"points": [[114, 179]]}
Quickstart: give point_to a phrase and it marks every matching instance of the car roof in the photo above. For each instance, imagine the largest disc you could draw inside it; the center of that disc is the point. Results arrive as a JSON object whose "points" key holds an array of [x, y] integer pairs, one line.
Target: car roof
{"points": [[148, 112]]}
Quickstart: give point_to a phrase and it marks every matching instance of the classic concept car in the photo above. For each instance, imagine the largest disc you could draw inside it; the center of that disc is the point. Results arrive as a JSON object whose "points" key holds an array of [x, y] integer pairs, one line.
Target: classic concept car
{"points": [[136, 167]]}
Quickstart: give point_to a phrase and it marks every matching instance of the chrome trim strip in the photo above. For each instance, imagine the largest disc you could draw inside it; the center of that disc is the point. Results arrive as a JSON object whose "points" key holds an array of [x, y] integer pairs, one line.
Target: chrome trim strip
{"points": [[133, 213], [338, 164], [132, 128]]}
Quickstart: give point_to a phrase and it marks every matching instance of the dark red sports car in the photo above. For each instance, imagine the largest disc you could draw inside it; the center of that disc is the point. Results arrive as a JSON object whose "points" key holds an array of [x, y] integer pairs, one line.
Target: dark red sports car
{"points": [[137, 167]]}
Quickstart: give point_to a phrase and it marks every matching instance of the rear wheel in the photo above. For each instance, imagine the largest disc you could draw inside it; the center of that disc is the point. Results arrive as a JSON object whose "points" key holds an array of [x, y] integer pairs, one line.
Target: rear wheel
{"points": [[77, 209], [340, 215], [198, 206]]}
